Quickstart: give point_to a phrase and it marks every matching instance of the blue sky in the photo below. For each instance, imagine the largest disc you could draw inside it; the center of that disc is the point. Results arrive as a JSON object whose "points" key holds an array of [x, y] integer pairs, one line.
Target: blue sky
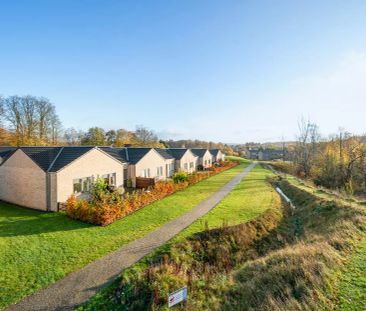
{"points": [[231, 71]]}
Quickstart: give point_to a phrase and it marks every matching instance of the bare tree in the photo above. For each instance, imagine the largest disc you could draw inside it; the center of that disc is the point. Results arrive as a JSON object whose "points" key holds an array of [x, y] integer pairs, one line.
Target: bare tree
{"points": [[306, 147], [73, 137], [55, 129], [46, 116], [13, 115], [145, 137], [31, 119]]}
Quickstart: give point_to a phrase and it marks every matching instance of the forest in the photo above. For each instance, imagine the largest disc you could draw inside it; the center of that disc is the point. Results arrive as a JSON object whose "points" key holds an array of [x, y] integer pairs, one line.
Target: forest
{"points": [[336, 162]]}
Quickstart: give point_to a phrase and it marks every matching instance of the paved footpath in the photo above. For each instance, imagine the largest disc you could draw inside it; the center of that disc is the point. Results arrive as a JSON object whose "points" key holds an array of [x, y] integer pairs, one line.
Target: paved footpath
{"points": [[77, 287]]}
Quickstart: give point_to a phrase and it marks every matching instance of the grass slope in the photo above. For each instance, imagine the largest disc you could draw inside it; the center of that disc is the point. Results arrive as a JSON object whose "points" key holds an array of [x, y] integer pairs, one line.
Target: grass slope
{"points": [[39, 248], [252, 197], [352, 284], [287, 260], [350, 288], [298, 262]]}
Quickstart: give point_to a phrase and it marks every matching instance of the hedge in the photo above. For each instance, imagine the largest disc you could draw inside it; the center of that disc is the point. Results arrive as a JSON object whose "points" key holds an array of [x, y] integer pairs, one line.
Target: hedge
{"points": [[111, 207]]}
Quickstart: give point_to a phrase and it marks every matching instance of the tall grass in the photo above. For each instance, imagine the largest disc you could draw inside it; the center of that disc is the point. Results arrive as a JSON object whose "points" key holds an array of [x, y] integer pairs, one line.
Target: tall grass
{"points": [[295, 269], [283, 260]]}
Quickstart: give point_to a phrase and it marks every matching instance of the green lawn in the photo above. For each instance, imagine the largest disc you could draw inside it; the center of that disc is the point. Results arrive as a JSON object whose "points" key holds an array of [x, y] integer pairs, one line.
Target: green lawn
{"points": [[251, 197], [39, 248], [352, 286]]}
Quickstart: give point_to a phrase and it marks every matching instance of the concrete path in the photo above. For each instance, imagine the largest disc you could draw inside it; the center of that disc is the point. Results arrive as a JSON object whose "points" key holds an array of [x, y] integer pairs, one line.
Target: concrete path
{"points": [[77, 287]]}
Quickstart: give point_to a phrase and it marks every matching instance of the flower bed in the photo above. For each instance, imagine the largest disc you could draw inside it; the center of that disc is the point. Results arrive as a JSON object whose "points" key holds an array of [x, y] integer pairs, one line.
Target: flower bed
{"points": [[105, 208]]}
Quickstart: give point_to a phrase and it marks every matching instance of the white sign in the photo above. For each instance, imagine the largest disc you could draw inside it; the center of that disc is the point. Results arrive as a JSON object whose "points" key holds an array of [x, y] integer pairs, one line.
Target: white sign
{"points": [[177, 297]]}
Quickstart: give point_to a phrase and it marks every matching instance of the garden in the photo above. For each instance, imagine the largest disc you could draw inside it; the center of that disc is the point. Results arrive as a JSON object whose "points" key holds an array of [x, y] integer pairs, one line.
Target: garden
{"points": [[106, 206]]}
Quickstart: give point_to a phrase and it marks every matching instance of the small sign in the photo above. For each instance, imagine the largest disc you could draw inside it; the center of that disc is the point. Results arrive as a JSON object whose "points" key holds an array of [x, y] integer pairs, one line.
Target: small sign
{"points": [[177, 297]]}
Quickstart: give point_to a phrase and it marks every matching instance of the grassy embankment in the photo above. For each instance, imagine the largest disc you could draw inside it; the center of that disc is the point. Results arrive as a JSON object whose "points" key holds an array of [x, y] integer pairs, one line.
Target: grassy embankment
{"points": [[39, 248], [349, 286], [184, 259], [283, 260]]}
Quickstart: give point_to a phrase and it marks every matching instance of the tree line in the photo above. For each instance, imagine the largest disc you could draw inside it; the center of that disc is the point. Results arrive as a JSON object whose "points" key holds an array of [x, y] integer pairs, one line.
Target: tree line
{"points": [[28, 120], [337, 162], [33, 121]]}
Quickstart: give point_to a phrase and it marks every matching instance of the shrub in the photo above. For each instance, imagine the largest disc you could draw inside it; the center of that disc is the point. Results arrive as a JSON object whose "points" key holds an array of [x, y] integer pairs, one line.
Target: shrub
{"points": [[99, 189], [180, 177]]}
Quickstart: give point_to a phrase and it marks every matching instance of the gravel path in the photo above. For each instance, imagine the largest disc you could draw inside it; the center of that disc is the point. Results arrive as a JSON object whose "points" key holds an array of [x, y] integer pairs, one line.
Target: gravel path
{"points": [[77, 287]]}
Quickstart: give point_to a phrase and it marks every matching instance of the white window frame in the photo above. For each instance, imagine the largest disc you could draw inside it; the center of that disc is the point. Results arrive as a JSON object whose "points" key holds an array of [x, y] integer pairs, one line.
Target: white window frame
{"points": [[85, 184]]}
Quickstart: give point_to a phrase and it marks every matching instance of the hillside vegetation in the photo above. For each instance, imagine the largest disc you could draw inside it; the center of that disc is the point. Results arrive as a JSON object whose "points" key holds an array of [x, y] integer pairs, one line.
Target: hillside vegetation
{"points": [[284, 259]]}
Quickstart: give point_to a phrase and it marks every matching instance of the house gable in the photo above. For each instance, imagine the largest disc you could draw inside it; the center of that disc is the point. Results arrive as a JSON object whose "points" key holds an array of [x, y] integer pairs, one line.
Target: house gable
{"points": [[23, 182], [151, 161], [94, 163]]}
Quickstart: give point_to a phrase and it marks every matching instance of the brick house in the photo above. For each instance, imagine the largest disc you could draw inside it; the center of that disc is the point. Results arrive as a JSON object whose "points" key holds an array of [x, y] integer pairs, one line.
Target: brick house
{"points": [[42, 177]]}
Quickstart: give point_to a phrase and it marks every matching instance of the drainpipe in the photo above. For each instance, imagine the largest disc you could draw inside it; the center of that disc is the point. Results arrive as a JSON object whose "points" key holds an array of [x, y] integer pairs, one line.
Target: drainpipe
{"points": [[48, 191]]}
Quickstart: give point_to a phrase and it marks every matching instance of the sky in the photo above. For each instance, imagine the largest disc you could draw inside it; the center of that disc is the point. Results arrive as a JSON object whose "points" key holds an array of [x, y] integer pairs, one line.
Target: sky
{"points": [[229, 71]]}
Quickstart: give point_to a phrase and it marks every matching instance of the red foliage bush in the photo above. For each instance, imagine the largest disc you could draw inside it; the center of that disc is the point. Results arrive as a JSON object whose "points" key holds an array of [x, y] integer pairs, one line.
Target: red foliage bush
{"points": [[109, 208]]}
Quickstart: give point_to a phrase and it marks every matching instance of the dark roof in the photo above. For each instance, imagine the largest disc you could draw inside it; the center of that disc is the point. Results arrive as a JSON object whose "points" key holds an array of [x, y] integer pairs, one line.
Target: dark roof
{"points": [[52, 159], [6, 153], [214, 152], [7, 148], [177, 153], [134, 155], [199, 152], [42, 156], [68, 155], [164, 153], [117, 153]]}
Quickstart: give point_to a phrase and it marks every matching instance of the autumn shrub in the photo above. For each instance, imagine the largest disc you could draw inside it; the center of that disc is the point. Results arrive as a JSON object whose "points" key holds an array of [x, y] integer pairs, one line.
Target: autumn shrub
{"points": [[106, 206], [180, 177]]}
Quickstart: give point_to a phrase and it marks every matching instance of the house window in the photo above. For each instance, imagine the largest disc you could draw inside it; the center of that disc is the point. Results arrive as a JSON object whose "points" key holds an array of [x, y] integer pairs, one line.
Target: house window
{"points": [[86, 184], [77, 185], [191, 165], [169, 170], [106, 178], [82, 184], [145, 173], [186, 166], [110, 179]]}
